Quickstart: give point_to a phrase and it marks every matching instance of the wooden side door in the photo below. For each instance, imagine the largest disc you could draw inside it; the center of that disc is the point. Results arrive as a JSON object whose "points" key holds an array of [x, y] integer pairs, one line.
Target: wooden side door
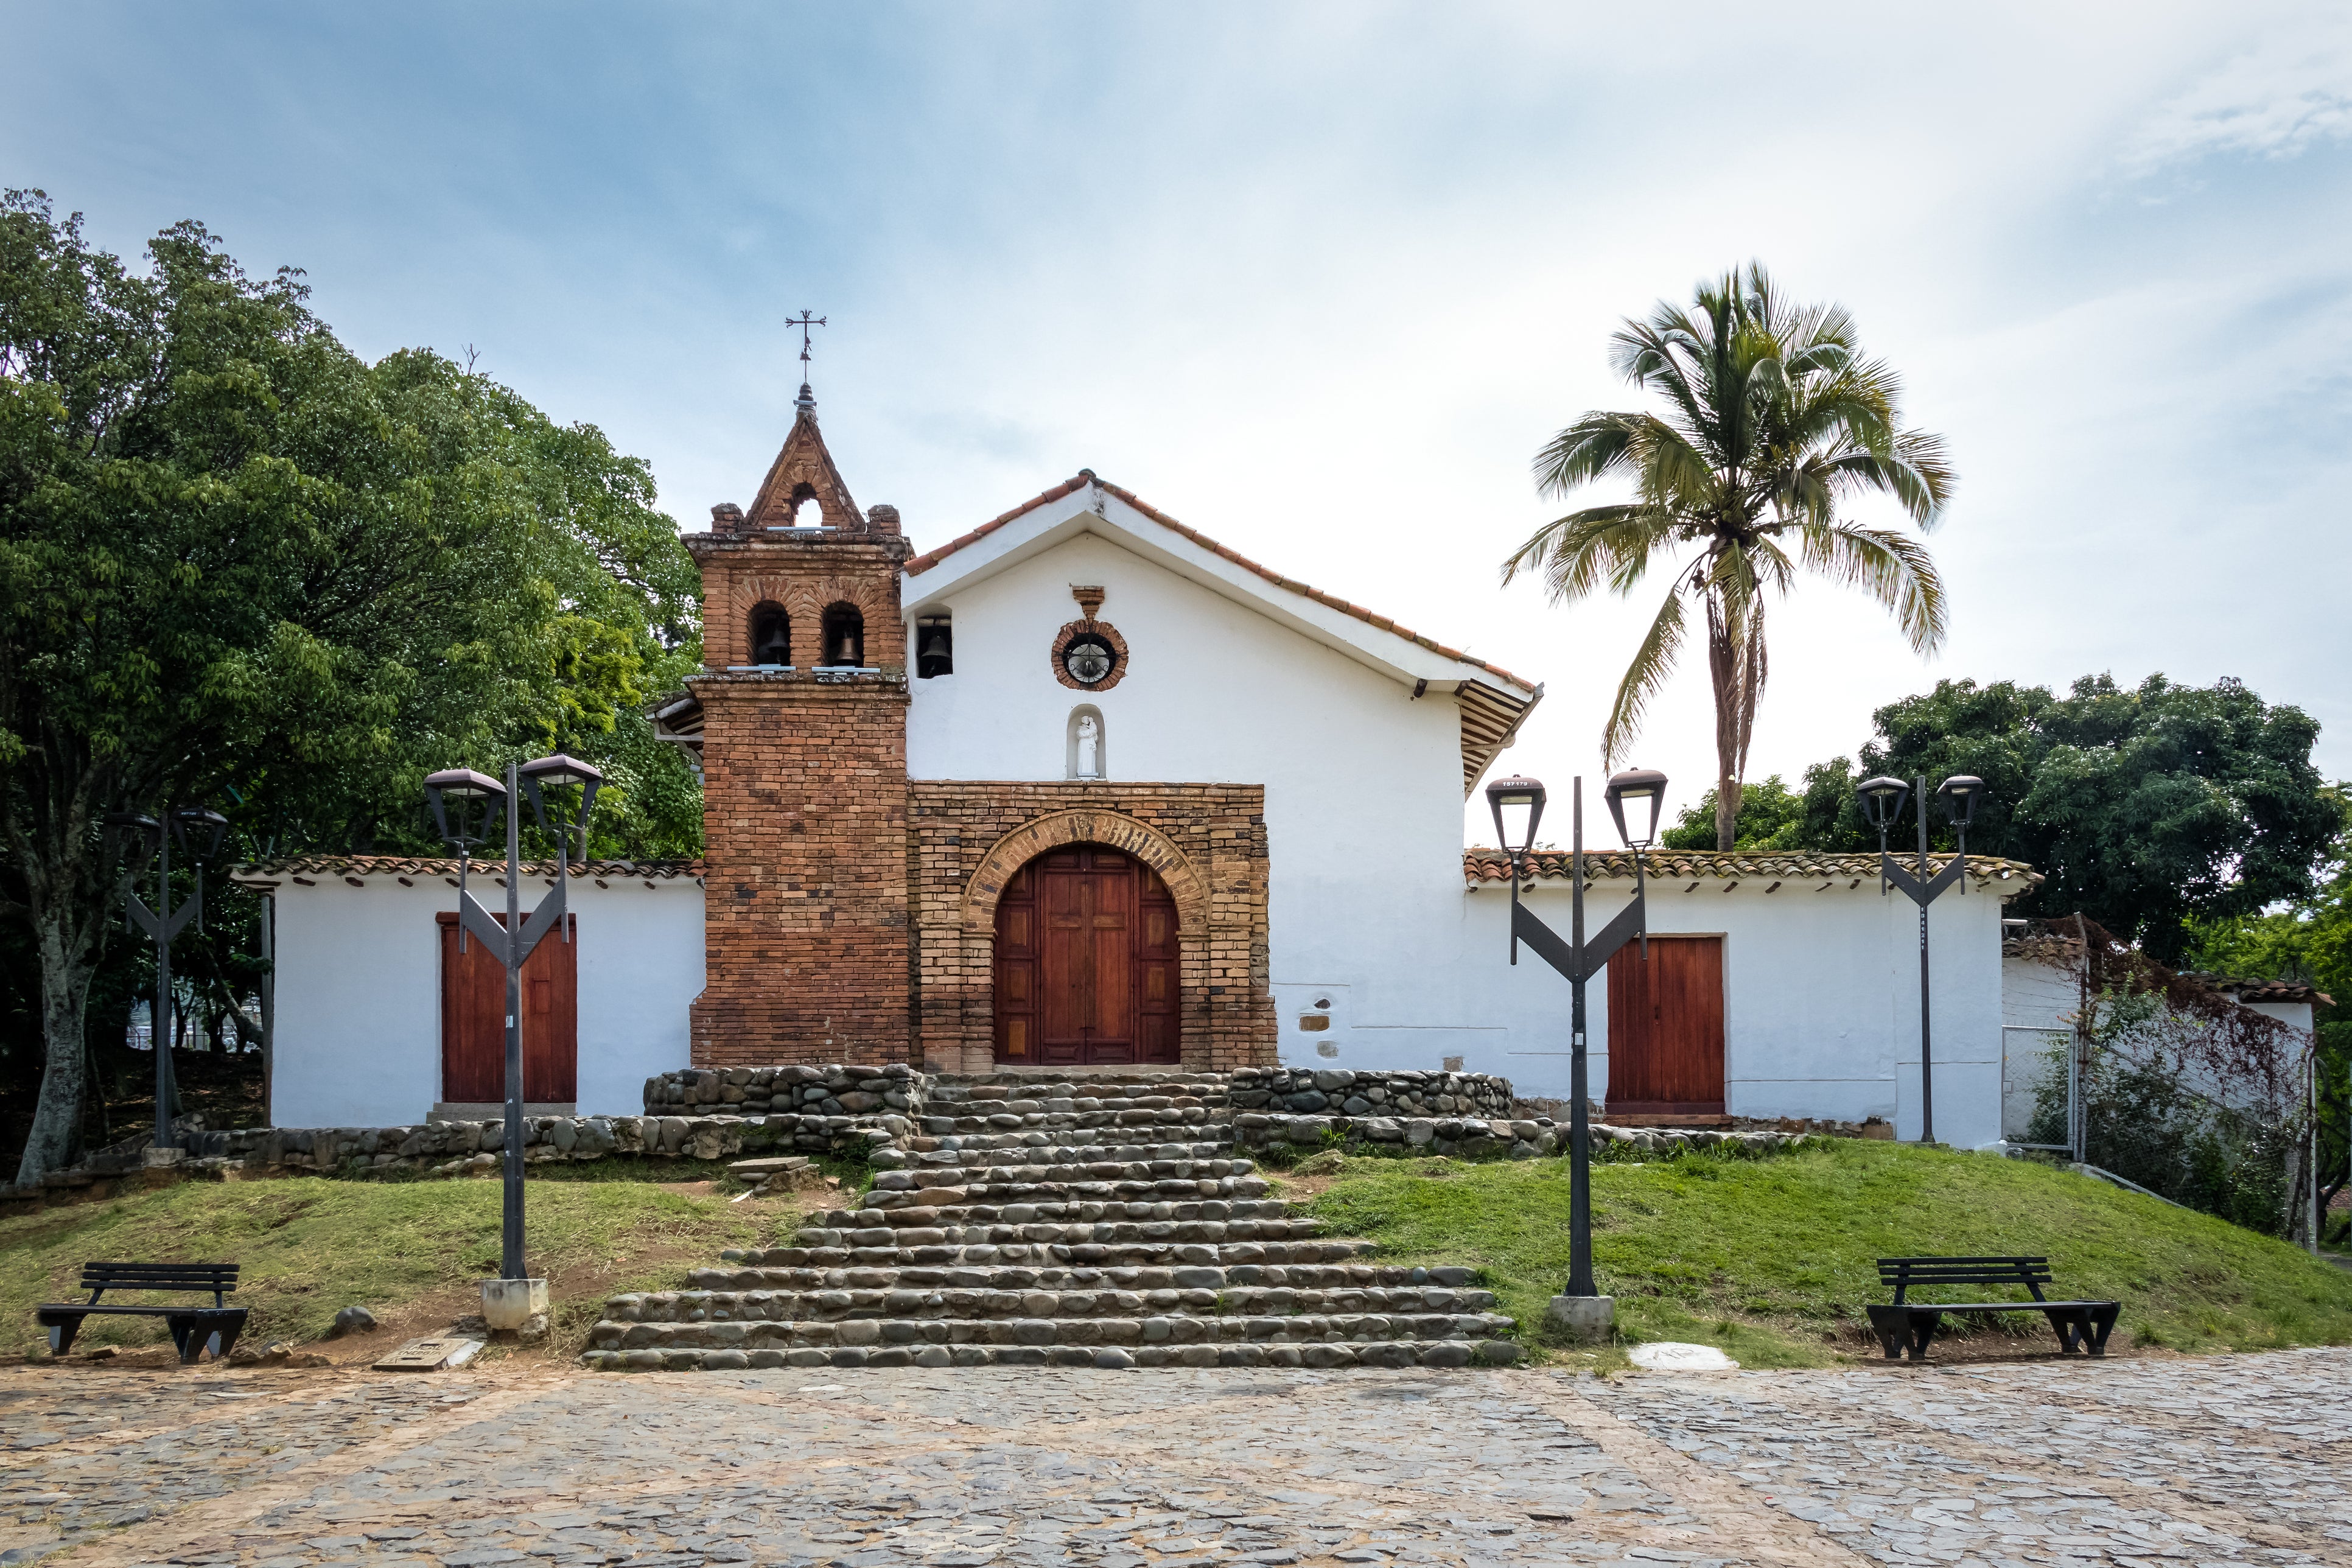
{"points": [[1017, 950], [1157, 1025], [1666, 1028], [473, 1019]]}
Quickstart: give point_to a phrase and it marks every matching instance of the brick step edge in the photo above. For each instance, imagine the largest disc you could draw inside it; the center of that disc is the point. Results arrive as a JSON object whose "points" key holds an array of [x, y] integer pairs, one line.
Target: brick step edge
{"points": [[1379, 1353]]}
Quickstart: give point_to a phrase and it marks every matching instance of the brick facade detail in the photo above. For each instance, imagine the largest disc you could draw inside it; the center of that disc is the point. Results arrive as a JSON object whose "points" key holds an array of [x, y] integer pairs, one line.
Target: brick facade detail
{"points": [[804, 827], [850, 915], [1208, 844], [803, 784]]}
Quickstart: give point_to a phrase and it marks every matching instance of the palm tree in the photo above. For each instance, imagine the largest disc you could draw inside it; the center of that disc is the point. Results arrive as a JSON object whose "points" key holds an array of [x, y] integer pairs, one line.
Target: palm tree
{"points": [[1774, 419]]}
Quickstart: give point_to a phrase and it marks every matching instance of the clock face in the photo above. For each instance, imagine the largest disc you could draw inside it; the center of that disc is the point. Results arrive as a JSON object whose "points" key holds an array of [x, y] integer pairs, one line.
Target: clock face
{"points": [[1088, 659]]}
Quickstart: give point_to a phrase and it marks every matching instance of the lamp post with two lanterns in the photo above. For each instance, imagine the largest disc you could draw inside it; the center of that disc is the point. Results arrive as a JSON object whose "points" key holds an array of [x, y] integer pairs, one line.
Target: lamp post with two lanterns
{"points": [[1583, 1310], [467, 806], [197, 830], [1881, 802]]}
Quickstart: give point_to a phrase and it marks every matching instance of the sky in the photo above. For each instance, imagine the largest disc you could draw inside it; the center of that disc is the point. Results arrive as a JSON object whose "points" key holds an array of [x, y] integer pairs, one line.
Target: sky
{"points": [[1320, 281]]}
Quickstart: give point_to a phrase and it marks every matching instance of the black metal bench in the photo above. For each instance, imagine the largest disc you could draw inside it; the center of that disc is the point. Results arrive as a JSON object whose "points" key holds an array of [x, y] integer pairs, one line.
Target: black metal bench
{"points": [[1907, 1326], [195, 1329]]}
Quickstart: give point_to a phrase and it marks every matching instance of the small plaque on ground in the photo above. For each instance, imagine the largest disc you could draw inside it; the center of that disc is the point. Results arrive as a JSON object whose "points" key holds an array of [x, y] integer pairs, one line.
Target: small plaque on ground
{"points": [[1669, 1355], [437, 1353]]}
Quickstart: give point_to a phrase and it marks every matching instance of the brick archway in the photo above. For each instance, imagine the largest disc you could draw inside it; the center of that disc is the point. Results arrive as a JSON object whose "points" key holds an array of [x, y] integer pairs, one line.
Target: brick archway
{"points": [[1025, 843]]}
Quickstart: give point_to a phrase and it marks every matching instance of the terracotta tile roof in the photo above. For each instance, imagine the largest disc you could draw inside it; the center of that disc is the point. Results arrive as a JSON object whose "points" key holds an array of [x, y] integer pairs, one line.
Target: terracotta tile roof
{"points": [[2274, 991], [1479, 865], [1085, 476], [325, 866]]}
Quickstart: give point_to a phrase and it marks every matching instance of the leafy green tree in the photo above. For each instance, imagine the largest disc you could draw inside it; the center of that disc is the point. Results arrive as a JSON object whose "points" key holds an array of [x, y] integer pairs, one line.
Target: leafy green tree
{"points": [[2309, 941], [1774, 423], [2149, 809], [240, 565], [1771, 817]]}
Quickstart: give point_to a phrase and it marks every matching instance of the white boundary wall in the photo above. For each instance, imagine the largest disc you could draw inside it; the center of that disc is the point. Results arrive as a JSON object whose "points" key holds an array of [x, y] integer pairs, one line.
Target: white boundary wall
{"points": [[358, 1009], [1821, 1001]]}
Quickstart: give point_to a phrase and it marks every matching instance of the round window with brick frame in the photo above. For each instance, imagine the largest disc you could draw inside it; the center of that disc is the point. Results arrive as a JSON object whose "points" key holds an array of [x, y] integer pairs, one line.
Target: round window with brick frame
{"points": [[1089, 656]]}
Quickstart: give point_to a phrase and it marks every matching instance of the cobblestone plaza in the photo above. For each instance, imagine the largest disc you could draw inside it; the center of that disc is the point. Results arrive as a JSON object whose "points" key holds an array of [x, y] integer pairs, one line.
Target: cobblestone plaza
{"points": [[2176, 1460]]}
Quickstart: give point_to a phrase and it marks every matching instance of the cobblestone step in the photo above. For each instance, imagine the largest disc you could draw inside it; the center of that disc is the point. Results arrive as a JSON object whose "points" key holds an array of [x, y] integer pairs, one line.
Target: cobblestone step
{"points": [[1103, 1299], [1005, 1165], [1323, 1354], [1169, 1329], [1101, 1232], [777, 1267], [1062, 1222], [1169, 1211], [1067, 1146], [1002, 1120], [948, 1091], [1059, 1275]]}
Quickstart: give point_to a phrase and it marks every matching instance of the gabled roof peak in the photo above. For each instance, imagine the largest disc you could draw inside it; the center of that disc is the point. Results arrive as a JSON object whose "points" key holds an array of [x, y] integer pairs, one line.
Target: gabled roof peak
{"points": [[805, 472]]}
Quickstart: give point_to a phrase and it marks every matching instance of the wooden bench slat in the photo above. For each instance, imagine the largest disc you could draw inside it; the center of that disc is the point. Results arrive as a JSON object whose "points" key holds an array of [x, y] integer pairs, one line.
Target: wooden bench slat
{"points": [[194, 1326], [1907, 1325], [177, 1270]]}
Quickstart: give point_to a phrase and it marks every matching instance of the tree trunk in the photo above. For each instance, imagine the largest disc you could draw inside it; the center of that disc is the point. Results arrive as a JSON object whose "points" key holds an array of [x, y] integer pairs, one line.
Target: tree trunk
{"points": [[1735, 664], [67, 968]]}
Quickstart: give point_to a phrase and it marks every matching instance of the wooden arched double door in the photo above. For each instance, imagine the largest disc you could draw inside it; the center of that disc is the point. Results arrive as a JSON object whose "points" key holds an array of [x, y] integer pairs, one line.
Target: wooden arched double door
{"points": [[1086, 963]]}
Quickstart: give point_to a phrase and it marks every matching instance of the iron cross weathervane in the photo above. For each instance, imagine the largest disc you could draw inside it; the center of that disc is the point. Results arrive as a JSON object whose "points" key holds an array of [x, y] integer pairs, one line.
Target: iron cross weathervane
{"points": [[804, 321]]}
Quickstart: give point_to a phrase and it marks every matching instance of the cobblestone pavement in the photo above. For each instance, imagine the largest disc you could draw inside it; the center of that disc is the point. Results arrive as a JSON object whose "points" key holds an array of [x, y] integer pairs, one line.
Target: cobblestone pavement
{"points": [[2230, 1460]]}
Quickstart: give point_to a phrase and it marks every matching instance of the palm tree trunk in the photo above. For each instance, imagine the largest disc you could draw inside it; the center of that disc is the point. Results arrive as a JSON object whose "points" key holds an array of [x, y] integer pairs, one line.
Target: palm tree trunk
{"points": [[1735, 663], [1724, 674]]}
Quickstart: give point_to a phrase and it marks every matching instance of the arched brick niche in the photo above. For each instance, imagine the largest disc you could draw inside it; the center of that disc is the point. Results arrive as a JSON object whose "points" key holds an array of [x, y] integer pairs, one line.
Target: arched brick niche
{"points": [[1207, 842]]}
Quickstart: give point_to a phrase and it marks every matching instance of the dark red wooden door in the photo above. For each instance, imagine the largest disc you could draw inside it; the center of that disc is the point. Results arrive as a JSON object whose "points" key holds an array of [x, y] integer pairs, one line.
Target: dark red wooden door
{"points": [[474, 1020], [1666, 1028], [1086, 963]]}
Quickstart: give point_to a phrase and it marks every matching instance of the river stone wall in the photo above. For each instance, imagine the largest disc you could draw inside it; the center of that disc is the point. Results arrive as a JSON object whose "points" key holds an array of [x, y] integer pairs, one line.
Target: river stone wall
{"points": [[1337, 1091], [454, 1148], [835, 1090]]}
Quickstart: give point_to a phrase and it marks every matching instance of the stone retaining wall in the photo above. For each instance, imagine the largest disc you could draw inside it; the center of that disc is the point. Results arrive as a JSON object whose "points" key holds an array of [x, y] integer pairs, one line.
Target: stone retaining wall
{"points": [[1337, 1092], [455, 1147], [1520, 1138], [830, 1090]]}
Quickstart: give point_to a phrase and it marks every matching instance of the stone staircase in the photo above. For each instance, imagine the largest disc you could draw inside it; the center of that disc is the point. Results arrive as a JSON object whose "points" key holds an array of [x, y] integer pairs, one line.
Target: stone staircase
{"points": [[1100, 1219]]}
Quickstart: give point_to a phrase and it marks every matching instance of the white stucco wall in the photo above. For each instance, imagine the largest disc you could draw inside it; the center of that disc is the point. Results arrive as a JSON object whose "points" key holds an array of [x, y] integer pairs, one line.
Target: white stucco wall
{"points": [[1363, 781], [358, 1022], [1821, 998], [1364, 811]]}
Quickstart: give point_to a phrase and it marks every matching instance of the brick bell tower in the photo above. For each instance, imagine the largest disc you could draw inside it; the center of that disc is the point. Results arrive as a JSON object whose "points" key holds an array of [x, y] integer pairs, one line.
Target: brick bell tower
{"points": [[803, 716]]}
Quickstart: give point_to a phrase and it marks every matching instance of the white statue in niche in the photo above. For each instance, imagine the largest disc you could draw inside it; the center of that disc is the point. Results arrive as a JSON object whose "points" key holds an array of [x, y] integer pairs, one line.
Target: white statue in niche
{"points": [[1090, 747]]}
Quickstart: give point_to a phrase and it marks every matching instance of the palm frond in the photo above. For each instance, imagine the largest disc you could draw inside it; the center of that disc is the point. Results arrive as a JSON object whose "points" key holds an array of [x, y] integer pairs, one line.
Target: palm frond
{"points": [[1892, 568], [1653, 662], [1598, 443], [1576, 551]]}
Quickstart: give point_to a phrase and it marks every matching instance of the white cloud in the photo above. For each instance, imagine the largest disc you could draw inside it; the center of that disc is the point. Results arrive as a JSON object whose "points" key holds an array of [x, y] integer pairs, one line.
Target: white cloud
{"points": [[2291, 91]]}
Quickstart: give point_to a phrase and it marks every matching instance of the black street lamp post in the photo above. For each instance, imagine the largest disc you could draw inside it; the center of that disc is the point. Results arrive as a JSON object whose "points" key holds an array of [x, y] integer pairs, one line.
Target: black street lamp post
{"points": [[1578, 960], [514, 940], [200, 830], [1881, 802]]}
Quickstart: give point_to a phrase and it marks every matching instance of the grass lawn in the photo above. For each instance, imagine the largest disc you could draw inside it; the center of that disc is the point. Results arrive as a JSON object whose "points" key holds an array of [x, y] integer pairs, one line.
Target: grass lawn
{"points": [[312, 1246], [1773, 1259]]}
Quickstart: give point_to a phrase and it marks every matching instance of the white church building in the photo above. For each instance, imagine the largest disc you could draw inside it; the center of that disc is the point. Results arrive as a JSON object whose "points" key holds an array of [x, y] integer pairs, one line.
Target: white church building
{"points": [[1038, 798]]}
